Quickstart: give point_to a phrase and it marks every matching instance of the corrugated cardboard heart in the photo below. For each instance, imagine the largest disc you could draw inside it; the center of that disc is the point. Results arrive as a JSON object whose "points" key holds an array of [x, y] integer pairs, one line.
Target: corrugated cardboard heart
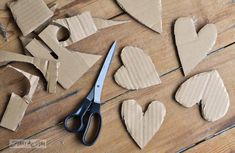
{"points": [[138, 70], [147, 12], [142, 127], [207, 89], [193, 47]]}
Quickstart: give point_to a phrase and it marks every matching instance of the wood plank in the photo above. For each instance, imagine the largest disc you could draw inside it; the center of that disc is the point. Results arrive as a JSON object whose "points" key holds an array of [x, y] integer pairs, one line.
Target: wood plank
{"points": [[181, 128], [224, 142], [45, 109]]}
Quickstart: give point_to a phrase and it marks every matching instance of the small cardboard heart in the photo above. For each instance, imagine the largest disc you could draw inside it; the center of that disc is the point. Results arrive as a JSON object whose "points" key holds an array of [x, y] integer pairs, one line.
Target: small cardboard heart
{"points": [[147, 12], [138, 71], [142, 127], [193, 47], [208, 89]]}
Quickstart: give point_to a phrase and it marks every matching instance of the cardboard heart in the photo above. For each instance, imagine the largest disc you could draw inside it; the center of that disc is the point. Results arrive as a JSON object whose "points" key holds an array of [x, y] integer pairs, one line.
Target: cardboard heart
{"points": [[147, 12], [138, 71], [208, 89], [142, 127], [193, 47]]}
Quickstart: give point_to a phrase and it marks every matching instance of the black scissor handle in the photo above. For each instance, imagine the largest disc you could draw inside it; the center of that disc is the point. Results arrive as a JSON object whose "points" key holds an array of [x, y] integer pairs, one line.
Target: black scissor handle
{"points": [[77, 117], [96, 116]]}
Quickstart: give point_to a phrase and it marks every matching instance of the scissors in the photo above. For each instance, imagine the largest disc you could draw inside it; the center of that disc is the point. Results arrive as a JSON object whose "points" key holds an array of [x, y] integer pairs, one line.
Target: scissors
{"points": [[89, 109]]}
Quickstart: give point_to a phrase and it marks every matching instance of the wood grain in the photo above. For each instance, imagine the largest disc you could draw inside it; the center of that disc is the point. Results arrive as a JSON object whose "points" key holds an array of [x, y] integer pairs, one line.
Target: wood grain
{"points": [[47, 110], [222, 143], [182, 127]]}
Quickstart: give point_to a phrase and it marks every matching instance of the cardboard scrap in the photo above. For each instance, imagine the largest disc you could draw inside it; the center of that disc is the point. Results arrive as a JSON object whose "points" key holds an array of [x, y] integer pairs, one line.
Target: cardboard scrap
{"points": [[49, 69], [72, 64], [17, 105], [142, 127], [30, 14], [82, 26], [138, 71], [103, 23], [147, 12], [193, 47], [208, 90]]}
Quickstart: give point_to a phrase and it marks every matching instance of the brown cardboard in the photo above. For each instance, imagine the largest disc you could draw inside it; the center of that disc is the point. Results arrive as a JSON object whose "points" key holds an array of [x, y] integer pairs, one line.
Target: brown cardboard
{"points": [[72, 64], [138, 70], [193, 47], [48, 68], [82, 26], [17, 105], [143, 126], [103, 23], [147, 12], [30, 14], [208, 90]]}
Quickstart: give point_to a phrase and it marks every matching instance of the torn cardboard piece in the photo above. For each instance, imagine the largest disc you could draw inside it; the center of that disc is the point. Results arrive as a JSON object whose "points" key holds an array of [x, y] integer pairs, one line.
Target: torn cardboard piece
{"points": [[143, 126], [30, 14], [193, 47], [49, 69], [72, 64], [82, 26], [138, 70], [17, 105], [208, 90], [147, 12]]}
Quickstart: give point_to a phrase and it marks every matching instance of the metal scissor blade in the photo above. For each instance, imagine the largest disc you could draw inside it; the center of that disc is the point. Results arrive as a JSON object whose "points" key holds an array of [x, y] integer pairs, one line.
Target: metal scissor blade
{"points": [[91, 94], [100, 81]]}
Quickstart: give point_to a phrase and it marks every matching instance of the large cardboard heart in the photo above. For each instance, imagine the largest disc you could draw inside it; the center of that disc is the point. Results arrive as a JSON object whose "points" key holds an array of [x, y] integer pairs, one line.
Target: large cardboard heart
{"points": [[208, 89], [193, 47], [138, 71], [147, 12], [142, 127]]}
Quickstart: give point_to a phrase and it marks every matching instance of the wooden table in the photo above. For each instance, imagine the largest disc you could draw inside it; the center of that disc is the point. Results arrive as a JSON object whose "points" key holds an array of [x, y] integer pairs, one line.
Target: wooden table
{"points": [[183, 129]]}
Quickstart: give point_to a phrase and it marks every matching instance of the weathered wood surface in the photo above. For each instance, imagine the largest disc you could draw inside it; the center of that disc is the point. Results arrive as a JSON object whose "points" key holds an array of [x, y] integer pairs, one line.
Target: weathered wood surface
{"points": [[222, 143], [182, 127]]}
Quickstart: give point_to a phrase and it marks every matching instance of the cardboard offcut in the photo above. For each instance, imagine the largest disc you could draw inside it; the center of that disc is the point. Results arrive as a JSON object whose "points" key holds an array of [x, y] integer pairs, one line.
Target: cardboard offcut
{"points": [[193, 47], [72, 64], [30, 14], [147, 12], [49, 69], [17, 105], [138, 70], [82, 26], [143, 126], [208, 90]]}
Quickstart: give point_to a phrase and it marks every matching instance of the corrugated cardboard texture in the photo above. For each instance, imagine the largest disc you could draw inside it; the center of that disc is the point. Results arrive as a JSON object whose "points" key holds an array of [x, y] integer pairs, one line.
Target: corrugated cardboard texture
{"points": [[142, 127], [138, 70], [72, 64], [147, 12], [30, 14], [209, 90], [48, 68], [193, 47], [79, 26], [17, 106], [83, 25]]}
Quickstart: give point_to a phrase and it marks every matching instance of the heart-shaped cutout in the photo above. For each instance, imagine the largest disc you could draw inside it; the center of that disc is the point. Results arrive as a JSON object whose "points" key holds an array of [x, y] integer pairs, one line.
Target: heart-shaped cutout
{"points": [[138, 71], [147, 12], [193, 47], [208, 89], [142, 127]]}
